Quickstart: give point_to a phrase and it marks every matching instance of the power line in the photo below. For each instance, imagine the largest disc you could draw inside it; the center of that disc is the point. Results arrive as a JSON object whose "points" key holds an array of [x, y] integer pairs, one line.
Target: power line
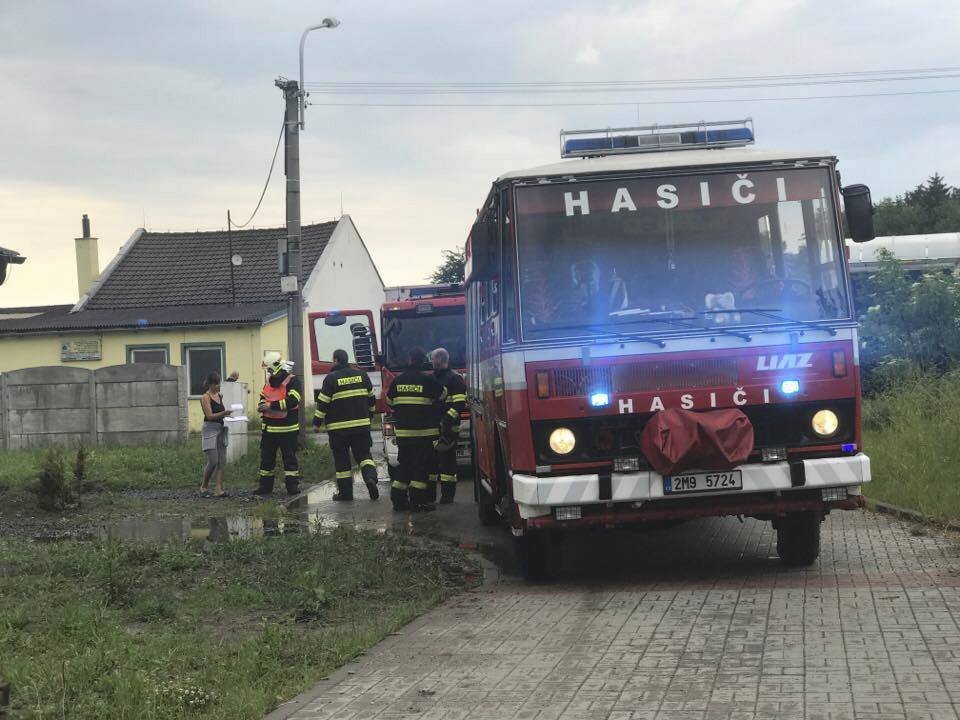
{"points": [[727, 78], [861, 76], [633, 102], [623, 89], [267, 183]]}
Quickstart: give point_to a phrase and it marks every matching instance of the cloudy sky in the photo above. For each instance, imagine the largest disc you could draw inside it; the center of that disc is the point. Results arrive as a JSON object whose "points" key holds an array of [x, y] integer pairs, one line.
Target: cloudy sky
{"points": [[165, 114]]}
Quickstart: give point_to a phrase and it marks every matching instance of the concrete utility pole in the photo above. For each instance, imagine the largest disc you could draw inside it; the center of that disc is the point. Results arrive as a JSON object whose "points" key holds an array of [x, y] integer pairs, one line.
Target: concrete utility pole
{"points": [[290, 275]]}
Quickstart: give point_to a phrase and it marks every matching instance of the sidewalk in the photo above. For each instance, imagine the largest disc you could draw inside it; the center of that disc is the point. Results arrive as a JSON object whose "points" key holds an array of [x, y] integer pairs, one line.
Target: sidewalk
{"points": [[698, 621]]}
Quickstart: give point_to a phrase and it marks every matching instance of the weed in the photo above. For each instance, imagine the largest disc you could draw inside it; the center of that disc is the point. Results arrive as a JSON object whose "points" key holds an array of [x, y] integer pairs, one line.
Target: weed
{"points": [[912, 435], [54, 493]]}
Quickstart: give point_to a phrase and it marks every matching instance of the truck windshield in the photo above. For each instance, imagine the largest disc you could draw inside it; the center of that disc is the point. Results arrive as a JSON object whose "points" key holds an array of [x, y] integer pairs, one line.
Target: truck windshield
{"points": [[442, 328], [637, 254]]}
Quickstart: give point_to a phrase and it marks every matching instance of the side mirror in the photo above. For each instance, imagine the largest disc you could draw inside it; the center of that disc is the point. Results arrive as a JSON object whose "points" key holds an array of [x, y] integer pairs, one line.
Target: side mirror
{"points": [[481, 251], [858, 209]]}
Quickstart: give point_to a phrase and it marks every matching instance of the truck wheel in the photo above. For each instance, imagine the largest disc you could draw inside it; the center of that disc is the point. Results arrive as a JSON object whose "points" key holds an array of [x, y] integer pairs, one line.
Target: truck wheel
{"points": [[798, 538], [533, 555]]}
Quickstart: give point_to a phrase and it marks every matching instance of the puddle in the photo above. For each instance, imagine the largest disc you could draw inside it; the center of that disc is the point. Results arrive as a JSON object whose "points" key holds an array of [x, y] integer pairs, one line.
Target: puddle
{"points": [[215, 529]]}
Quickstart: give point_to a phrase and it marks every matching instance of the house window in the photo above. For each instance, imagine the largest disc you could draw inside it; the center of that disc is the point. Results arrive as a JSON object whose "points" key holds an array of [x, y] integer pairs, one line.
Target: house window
{"points": [[148, 354], [201, 360]]}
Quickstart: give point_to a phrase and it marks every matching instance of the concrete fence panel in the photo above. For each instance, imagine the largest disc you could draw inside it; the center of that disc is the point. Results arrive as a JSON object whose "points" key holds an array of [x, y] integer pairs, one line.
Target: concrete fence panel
{"points": [[143, 403], [46, 405], [126, 404]]}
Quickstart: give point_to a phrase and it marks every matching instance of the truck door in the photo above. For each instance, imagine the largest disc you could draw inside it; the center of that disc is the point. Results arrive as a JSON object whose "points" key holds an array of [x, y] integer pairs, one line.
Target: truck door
{"points": [[350, 330]]}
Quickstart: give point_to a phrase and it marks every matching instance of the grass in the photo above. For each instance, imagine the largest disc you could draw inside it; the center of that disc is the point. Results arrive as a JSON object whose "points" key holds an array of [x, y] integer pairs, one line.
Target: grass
{"points": [[111, 471], [129, 630], [141, 467], [912, 435]]}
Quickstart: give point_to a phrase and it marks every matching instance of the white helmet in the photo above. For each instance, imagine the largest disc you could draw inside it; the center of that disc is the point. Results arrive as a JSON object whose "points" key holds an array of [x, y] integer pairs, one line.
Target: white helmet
{"points": [[272, 361]]}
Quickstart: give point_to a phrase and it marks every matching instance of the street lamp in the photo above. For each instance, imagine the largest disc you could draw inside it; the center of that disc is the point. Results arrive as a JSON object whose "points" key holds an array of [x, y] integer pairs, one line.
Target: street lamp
{"points": [[328, 22], [9, 257]]}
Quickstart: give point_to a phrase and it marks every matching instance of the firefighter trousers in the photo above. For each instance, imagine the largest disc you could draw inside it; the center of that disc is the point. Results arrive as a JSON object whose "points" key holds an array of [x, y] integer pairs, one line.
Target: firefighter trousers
{"points": [[286, 443], [415, 464], [357, 442], [445, 471]]}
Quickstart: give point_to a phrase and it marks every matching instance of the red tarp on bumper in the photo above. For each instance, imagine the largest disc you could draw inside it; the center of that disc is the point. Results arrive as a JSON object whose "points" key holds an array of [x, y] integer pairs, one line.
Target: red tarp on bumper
{"points": [[677, 440]]}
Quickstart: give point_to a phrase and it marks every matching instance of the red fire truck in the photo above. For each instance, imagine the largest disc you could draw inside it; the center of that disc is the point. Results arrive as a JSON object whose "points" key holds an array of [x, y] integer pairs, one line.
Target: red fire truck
{"points": [[660, 296], [425, 316], [428, 317]]}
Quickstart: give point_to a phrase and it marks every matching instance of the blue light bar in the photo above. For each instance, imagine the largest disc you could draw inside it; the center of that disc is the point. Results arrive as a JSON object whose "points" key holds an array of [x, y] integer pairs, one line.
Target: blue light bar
{"points": [[848, 447], [790, 387], [656, 138], [599, 399]]}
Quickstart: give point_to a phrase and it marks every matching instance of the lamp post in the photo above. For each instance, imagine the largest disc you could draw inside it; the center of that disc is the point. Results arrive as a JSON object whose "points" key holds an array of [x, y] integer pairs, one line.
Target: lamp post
{"points": [[9, 257], [295, 99], [328, 22]]}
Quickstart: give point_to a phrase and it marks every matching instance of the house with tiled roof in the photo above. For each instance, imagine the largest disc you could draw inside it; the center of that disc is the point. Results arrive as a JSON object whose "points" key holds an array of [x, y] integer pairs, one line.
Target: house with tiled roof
{"points": [[207, 300]]}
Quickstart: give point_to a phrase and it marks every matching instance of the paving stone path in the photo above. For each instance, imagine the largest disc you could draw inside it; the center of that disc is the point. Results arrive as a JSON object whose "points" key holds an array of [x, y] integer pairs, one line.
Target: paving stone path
{"points": [[696, 622]]}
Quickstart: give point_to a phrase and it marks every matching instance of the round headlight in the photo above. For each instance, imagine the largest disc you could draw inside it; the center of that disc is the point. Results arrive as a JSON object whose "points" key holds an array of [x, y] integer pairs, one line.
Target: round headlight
{"points": [[825, 423], [562, 441]]}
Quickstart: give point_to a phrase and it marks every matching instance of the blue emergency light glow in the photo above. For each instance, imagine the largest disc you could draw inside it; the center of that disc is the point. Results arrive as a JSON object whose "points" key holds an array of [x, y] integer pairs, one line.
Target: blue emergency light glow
{"points": [[656, 138], [789, 387], [848, 447], [599, 399]]}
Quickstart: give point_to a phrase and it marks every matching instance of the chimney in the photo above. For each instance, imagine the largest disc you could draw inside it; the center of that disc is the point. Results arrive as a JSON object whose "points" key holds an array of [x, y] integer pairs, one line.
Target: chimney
{"points": [[88, 258]]}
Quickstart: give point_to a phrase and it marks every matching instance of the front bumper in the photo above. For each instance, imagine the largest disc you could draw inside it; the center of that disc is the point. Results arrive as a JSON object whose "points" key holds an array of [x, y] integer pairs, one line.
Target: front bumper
{"points": [[537, 496]]}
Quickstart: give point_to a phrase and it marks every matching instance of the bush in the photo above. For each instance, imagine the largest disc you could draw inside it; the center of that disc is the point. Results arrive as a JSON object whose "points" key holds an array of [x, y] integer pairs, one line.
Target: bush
{"points": [[54, 493], [910, 326]]}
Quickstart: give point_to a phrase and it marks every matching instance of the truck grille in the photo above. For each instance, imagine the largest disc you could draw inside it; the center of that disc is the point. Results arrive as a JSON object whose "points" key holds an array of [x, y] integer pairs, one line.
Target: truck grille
{"points": [[640, 377]]}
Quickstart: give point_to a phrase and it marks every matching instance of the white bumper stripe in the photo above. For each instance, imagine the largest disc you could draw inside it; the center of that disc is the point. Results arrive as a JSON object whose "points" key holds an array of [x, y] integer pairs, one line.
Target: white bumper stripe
{"points": [[536, 495]]}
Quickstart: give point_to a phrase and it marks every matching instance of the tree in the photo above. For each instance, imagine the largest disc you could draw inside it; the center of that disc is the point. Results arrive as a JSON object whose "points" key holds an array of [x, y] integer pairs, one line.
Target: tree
{"points": [[451, 269], [911, 321], [931, 207]]}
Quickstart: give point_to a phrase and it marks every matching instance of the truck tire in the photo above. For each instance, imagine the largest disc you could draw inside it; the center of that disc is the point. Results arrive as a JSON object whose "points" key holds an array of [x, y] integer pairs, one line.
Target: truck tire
{"points": [[533, 555], [798, 538], [486, 506]]}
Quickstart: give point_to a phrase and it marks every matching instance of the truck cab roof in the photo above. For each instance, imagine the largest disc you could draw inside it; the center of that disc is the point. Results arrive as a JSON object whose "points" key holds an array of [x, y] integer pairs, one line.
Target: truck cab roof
{"points": [[672, 159]]}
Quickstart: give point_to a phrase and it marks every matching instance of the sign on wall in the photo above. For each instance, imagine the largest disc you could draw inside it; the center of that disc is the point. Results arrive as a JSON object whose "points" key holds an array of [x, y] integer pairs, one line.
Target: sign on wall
{"points": [[81, 349]]}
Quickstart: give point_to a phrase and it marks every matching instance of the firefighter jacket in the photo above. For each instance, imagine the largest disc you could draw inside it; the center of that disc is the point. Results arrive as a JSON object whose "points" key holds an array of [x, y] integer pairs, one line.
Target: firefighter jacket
{"points": [[415, 398], [283, 415], [456, 397], [346, 400]]}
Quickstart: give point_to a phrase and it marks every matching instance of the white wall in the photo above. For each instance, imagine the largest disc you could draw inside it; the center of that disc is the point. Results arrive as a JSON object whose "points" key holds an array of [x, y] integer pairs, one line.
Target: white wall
{"points": [[344, 279]]}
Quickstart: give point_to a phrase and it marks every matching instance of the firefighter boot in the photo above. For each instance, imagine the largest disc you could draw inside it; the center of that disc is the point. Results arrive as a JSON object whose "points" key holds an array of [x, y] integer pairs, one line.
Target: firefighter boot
{"points": [[293, 486], [399, 497], [344, 491], [420, 500], [447, 491], [370, 480], [265, 487]]}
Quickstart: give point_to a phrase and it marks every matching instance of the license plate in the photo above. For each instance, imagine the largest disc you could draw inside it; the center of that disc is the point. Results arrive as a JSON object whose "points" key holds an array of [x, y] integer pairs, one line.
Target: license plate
{"points": [[702, 482]]}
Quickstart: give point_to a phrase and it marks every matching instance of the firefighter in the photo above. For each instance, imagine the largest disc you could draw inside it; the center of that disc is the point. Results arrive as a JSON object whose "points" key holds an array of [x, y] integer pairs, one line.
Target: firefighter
{"points": [[413, 397], [445, 455], [345, 404], [279, 408]]}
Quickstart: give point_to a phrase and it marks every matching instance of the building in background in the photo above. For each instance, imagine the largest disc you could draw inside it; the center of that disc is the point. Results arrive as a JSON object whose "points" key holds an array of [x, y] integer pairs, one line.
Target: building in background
{"points": [[206, 300]]}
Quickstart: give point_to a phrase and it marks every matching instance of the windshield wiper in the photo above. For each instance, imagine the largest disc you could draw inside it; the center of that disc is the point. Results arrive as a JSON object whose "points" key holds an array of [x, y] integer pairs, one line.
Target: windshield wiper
{"points": [[678, 322], [600, 328], [772, 314]]}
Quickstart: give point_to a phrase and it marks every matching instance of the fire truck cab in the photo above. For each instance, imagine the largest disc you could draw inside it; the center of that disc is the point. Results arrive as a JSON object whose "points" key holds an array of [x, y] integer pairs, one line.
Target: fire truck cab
{"points": [[428, 317], [660, 276]]}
